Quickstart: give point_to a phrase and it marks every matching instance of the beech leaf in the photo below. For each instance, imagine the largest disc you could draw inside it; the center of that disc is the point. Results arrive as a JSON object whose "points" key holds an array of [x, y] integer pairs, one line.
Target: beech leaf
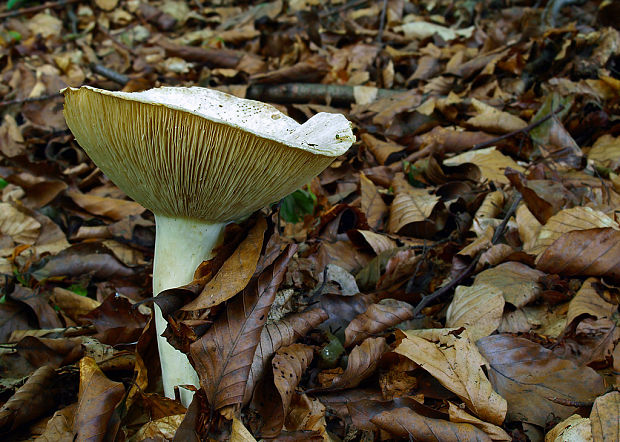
{"points": [[376, 319]]}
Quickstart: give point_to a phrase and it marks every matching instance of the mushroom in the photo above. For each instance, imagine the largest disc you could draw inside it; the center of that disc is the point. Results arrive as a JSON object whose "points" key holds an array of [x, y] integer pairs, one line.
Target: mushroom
{"points": [[198, 159]]}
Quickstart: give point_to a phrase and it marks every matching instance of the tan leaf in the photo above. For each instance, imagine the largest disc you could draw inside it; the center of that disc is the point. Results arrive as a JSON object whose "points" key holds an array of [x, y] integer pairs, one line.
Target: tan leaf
{"points": [[517, 282], [377, 242], [587, 301], [97, 400], [223, 355], [382, 150], [491, 162], [235, 273], [529, 376], [376, 319], [606, 151], [457, 414], [60, 426], [163, 428], [307, 414], [372, 204], [72, 304], [239, 433], [405, 423], [110, 207], [414, 210], [529, 227], [478, 308], [493, 120], [605, 416], [568, 220], [455, 362], [574, 428], [20, 227], [594, 252]]}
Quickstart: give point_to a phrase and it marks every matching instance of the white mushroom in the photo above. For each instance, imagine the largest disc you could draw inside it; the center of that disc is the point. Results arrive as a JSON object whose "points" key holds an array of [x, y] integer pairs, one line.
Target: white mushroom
{"points": [[198, 159]]}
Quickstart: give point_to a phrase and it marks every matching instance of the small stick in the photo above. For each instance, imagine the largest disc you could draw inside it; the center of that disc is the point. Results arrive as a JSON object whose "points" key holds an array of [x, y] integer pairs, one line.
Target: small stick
{"points": [[18, 12], [570, 402], [110, 74], [342, 8], [28, 100], [382, 22]]}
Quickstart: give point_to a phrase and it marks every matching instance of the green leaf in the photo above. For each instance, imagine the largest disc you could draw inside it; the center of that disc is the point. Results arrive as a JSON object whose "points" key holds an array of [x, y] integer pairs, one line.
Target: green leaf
{"points": [[296, 205], [3, 183], [78, 289], [12, 4]]}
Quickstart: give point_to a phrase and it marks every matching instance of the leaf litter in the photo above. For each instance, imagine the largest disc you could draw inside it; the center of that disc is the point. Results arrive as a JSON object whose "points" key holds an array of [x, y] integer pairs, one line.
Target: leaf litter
{"points": [[448, 278]]}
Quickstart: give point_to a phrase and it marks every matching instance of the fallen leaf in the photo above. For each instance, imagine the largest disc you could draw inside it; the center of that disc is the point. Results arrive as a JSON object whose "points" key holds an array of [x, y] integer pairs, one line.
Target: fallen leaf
{"points": [[605, 416], [116, 321], [573, 428], [491, 162], [594, 252], [406, 423], [224, 354], [420, 30], [163, 428], [60, 426], [458, 415], [455, 362], [493, 120], [72, 304], [517, 282], [605, 151], [376, 319], [20, 227], [478, 308], [239, 433], [372, 204], [235, 273], [588, 301], [527, 375], [109, 207], [97, 401], [31, 401]]}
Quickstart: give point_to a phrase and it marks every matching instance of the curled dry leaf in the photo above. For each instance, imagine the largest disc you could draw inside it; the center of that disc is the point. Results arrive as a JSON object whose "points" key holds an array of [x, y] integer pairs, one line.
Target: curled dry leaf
{"points": [[22, 228], [31, 401], [377, 242], [382, 150], [527, 375], [224, 354], [362, 363], [235, 273], [406, 423], [594, 252], [568, 220], [362, 411], [606, 151], [116, 321], [574, 428], [97, 401], [414, 211], [490, 119], [372, 204], [37, 301], [478, 308], [376, 319], [239, 433], [280, 334], [452, 359], [112, 208], [491, 162], [457, 414], [72, 304], [529, 227], [605, 416], [163, 428], [60, 426], [517, 282], [587, 301]]}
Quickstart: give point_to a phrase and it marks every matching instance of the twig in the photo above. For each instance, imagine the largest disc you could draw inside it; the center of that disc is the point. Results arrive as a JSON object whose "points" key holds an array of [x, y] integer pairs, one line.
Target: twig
{"points": [[28, 100], [110, 74], [342, 8], [502, 227], [382, 22], [306, 92], [56, 4], [524, 130], [570, 402]]}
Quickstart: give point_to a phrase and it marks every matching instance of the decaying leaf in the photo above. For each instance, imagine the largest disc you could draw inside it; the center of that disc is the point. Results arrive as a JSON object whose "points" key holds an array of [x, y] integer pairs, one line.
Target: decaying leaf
{"points": [[377, 318], [451, 358], [518, 283], [223, 356], [529, 376], [605, 416], [491, 162], [372, 205], [478, 308]]}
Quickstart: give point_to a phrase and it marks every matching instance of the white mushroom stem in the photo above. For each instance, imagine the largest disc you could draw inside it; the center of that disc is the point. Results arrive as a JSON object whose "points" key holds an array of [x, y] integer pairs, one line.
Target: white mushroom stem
{"points": [[181, 244]]}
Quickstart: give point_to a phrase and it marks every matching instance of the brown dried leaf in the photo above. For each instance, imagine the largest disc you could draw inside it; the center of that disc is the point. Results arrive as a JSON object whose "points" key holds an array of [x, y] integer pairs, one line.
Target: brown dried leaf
{"points": [[60, 426], [109, 207], [568, 220], [34, 399], [414, 211], [20, 227], [594, 252], [527, 375], [72, 304], [223, 356], [239, 433], [280, 334], [163, 428], [363, 361], [605, 416], [406, 423], [372, 204], [491, 162], [97, 401], [37, 301], [382, 150], [235, 273], [375, 241], [478, 308], [574, 428], [490, 119], [116, 321], [376, 319], [606, 151], [516, 281], [587, 301], [457, 414], [453, 360], [13, 316]]}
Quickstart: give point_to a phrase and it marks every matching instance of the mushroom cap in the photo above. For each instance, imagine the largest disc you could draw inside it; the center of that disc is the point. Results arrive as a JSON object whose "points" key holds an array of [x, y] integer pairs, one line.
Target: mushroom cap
{"points": [[200, 153]]}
